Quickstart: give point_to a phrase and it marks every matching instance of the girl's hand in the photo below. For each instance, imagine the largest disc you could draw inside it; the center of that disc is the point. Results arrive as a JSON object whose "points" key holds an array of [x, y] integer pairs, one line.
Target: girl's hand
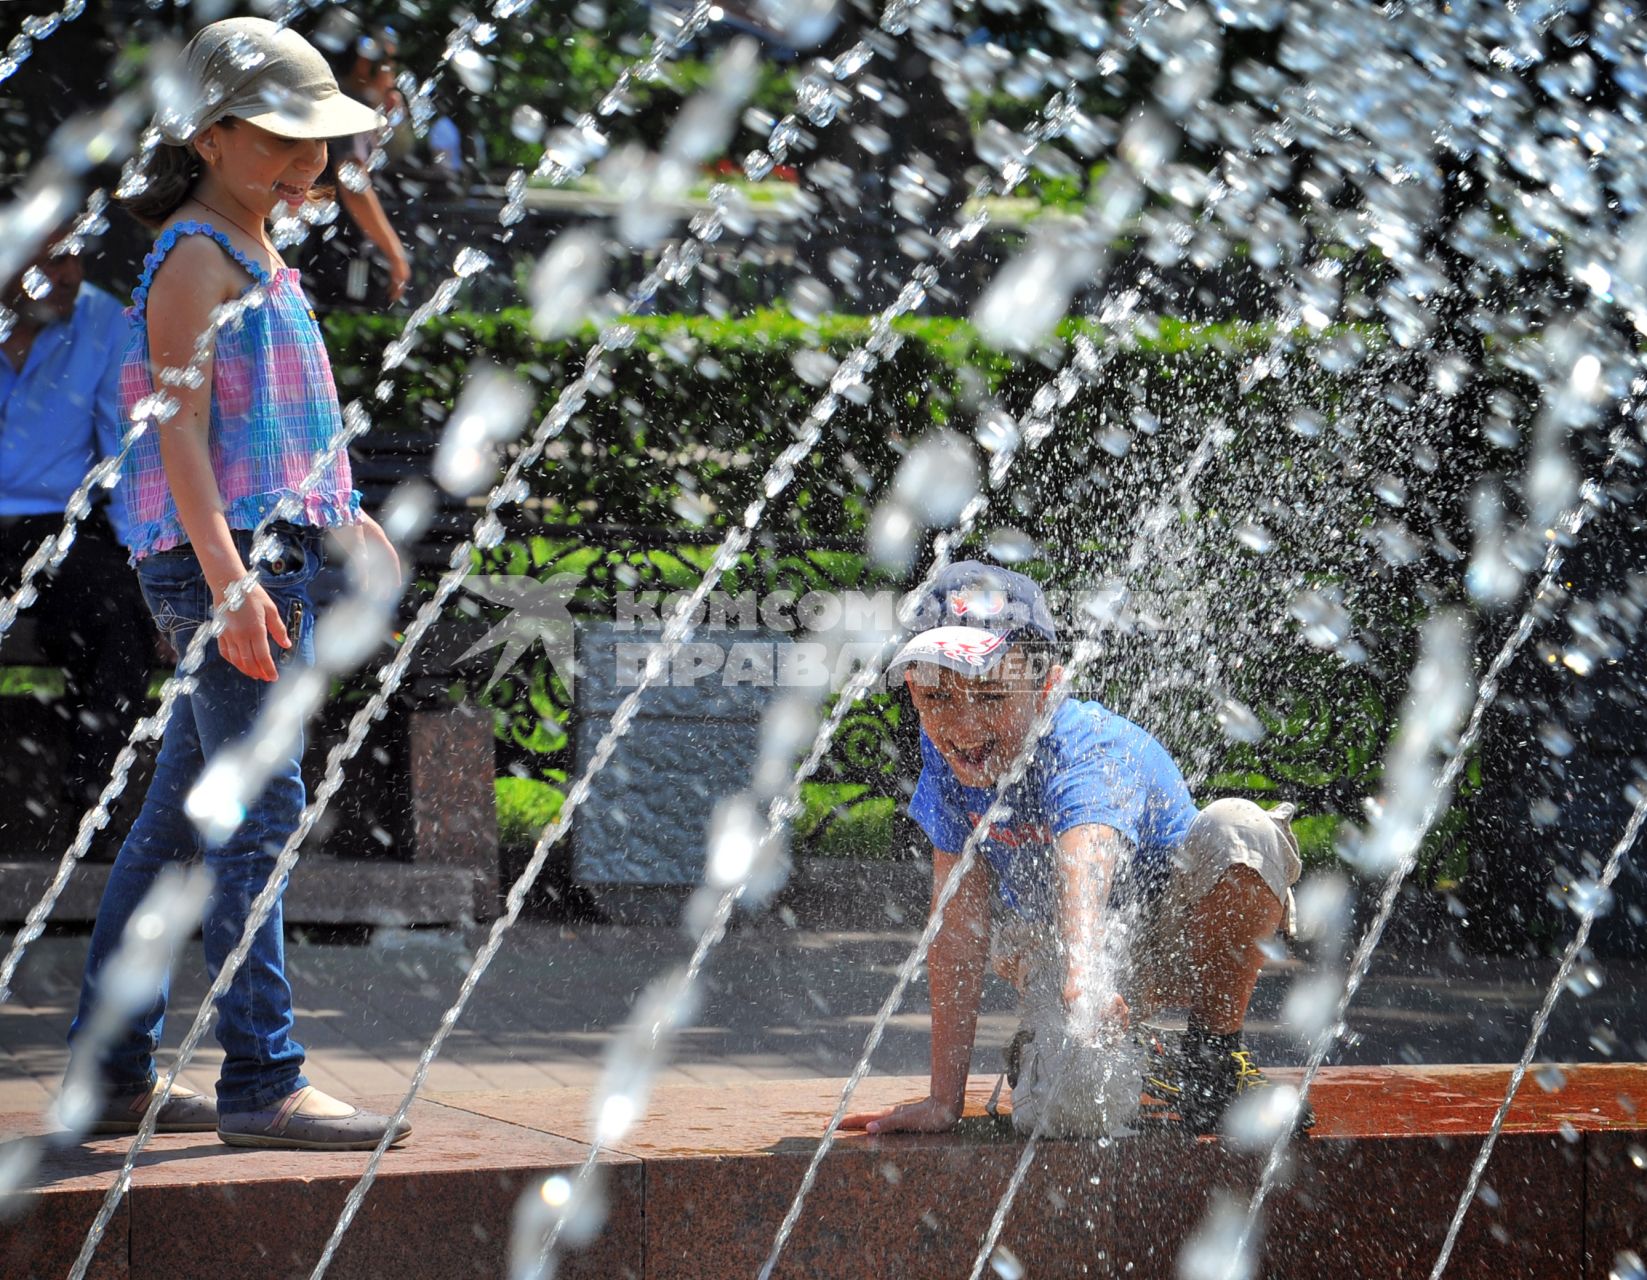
{"points": [[380, 551], [377, 563], [926, 1116], [244, 642]]}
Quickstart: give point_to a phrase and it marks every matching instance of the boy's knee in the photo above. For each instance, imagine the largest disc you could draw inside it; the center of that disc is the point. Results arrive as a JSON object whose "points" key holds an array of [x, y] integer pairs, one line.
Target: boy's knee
{"points": [[1236, 836]]}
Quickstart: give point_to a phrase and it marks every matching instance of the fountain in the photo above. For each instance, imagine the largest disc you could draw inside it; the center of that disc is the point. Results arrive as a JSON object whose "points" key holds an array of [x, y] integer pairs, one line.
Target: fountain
{"points": [[1441, 197]]}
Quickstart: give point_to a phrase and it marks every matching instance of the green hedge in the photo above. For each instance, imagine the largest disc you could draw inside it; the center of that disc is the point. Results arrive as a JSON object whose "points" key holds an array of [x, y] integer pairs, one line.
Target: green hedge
{"points": [[698, 407]]}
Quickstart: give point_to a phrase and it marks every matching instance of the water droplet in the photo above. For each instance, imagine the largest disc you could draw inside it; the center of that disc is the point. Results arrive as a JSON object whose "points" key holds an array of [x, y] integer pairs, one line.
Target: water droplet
{"points": [[1311, 1005], [1323, 904], [1239, 722], [872, 138], [813, 366], [693, 507], [1029, 297], [526, 123], [1011, 546], [1215, 1250], [809, 299], [36, 283], [1627, 1263], [469, 262], [1255, 537], [802, 23], [893, 534], [565, 282], [1004, 1263], [1589, 898], [1390, 490], [244, 53], [816, 99], [1555, 739], [997, 432], [489, 533], [492, 409], [352, 174], [1307, 423], [938, 478], [474, 69], [1585, 980], [1549, 1077], [1259, 1116]]}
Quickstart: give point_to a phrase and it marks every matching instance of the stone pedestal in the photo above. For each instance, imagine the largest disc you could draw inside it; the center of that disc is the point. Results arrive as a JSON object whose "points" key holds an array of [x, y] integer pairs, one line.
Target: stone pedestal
{"points": [[454, 801]]}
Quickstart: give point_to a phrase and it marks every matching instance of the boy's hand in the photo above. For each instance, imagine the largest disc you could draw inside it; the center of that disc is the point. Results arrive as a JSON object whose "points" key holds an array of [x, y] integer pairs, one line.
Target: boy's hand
{"points": [[926, 1116], [1114, 1011]]}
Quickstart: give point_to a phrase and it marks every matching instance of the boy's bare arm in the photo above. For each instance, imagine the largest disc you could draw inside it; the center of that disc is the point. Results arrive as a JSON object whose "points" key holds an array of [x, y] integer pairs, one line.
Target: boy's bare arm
{"points": [[1088, 858], [955, 975]]}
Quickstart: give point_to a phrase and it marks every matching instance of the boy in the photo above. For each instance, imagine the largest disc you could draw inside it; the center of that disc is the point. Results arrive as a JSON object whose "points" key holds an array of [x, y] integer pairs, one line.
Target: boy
{"points": [[1100, 823]]}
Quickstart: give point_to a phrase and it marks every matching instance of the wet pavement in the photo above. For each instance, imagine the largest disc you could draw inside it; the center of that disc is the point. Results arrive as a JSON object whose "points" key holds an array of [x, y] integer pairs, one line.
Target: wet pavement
{"points": [[779, 1003]]}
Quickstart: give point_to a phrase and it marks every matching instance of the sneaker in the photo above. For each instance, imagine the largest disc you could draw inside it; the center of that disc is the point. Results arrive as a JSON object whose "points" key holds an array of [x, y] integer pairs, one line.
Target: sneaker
{"points": [[1213, 1072], [1163, 1072], [1015, 1054], [1011, 1070], [185, 1111], [308, 1120]]}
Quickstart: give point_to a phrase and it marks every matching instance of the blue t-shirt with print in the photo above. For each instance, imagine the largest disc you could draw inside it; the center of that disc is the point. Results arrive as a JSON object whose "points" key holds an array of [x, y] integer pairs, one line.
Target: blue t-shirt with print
{"points": [[1092, 766]]}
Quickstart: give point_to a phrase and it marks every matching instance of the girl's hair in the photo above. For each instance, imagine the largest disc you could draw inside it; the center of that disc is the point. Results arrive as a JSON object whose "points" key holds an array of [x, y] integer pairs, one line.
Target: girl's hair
{"points": [[173, 173]]}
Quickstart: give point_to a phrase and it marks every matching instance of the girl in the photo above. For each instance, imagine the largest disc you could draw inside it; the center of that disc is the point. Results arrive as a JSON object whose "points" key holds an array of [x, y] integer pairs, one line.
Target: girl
{"points": [[199, 481]]}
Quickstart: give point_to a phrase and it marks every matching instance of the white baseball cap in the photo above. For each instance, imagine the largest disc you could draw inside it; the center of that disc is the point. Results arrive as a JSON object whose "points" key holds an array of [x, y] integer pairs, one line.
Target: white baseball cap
{"points": [[982, 610]]}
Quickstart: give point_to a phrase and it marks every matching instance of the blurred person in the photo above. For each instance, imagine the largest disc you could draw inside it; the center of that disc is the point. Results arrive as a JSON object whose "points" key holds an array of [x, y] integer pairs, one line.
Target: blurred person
{"points": [[446, 146], [361, 260], [60, 414]]}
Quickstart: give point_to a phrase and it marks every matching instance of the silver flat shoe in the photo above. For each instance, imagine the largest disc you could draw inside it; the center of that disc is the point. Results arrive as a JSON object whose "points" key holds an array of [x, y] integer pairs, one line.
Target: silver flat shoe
{"points": [[308, 1120], [184, 1112]]}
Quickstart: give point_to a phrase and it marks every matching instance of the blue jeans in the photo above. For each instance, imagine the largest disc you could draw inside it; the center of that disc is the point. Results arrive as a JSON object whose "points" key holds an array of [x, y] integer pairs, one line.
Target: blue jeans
{"points": [[262, 1063]]}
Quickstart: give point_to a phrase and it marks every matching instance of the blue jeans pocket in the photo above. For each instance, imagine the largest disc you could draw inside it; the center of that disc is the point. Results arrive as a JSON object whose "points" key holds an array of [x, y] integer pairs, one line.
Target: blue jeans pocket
{"points": [[175, 591]]}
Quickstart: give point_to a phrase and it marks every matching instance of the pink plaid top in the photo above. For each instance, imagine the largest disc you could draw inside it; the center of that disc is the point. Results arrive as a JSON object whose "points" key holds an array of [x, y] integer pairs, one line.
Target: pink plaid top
{"points": [[274, 409]]}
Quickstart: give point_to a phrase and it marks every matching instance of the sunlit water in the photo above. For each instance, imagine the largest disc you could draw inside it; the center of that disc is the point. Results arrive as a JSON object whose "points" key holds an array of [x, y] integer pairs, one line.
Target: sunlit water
{"points": [[1346, 139]]}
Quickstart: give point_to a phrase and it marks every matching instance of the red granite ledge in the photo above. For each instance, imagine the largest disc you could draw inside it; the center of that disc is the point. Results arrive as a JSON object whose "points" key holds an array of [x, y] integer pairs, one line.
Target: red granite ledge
{"points": [[442, 1204], [684, 1120], [698, 1187], [1371, 1193], [1615, 1202], [41, 1236]]}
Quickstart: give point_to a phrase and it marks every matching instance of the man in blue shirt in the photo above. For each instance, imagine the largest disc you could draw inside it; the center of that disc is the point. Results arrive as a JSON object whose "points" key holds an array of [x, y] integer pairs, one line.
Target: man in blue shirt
{"points": [[60, 413], [1116, 895]]}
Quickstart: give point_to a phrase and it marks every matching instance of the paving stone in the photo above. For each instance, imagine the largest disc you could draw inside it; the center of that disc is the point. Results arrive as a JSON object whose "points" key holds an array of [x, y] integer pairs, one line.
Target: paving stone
{"points": [[199, 1210]]}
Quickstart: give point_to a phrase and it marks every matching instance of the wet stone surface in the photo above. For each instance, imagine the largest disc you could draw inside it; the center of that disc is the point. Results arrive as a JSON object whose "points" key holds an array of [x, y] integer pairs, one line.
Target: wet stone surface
{"points": [[699, 1186]]}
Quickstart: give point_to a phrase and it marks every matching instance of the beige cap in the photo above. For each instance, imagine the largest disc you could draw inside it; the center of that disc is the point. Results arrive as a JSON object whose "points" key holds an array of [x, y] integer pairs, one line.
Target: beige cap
{"points": [[267, 75]]}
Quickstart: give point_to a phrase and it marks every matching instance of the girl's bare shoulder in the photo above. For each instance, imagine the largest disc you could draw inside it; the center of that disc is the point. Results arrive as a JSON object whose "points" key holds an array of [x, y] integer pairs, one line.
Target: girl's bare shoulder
{"points": [[197, 266]]}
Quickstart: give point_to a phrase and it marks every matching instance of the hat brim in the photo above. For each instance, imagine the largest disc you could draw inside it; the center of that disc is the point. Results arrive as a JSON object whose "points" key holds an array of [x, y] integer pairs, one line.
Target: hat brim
{"points": [[971, 651], [335, 115]]}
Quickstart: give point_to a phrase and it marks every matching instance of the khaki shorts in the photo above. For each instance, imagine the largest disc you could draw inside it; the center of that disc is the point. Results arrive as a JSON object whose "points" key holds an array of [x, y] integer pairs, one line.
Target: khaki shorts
{"points": [[1226, 834]]}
